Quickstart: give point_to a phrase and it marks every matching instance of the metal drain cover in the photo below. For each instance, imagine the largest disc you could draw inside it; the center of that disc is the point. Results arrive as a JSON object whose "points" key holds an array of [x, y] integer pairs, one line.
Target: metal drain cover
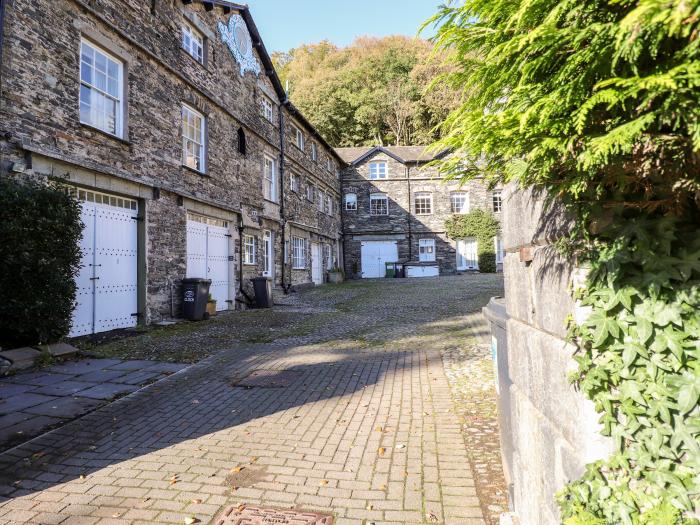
{"points": [[267, 379], [252, 515]]}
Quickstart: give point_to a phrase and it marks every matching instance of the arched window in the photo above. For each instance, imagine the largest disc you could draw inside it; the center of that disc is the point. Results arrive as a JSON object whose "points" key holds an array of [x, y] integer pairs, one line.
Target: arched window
{"points": [[241, 141]]}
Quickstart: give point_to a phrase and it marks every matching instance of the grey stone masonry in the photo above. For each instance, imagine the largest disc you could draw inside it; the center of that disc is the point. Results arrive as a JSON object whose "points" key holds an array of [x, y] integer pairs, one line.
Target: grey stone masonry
{"points": [[555, 430], [41, 133], [406, 176]]}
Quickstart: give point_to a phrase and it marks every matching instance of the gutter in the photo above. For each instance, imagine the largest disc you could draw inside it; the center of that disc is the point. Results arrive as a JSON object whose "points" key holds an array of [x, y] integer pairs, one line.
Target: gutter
{"points": [[285, 286], [2, 36]]}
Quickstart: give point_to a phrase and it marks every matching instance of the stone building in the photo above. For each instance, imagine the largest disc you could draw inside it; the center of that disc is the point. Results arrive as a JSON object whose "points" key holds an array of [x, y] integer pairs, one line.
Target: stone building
{"points": [[394, 209], [166, 119]]}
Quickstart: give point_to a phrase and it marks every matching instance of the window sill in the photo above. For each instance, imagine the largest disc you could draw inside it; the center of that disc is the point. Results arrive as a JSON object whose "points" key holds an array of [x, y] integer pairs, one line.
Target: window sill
{"points": [[105, 133], [196, 172], [193, 59], [249, 264], [277, 202], [299, 268]]}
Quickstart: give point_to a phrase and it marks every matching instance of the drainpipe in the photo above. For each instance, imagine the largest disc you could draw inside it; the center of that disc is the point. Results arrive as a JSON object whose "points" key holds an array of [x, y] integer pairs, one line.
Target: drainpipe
{"points": [[2, 36], [408, 215], [285, 286]]}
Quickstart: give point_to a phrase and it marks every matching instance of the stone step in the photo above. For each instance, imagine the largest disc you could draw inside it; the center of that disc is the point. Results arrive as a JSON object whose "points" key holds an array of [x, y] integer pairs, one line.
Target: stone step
{"points": [[61, 350], [21, 358]]}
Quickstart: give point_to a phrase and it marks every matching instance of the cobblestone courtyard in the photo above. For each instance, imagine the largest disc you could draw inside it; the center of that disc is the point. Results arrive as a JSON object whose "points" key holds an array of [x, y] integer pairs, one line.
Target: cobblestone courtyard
{"points": [[366, 422]]}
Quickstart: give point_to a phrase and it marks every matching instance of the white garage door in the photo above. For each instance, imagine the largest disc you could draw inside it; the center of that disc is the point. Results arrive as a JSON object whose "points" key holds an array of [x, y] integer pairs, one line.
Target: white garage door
{"points": [[375, 255], [106, 292], [208, 255]]}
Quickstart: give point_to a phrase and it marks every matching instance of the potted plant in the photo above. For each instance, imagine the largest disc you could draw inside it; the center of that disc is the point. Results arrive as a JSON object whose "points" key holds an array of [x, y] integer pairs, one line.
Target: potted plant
{"points": [[211, 305], [335, 275]]}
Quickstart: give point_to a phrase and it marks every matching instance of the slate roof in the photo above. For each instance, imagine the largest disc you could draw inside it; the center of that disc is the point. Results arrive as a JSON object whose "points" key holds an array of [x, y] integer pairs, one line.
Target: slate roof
{"points": [[404, 154]]}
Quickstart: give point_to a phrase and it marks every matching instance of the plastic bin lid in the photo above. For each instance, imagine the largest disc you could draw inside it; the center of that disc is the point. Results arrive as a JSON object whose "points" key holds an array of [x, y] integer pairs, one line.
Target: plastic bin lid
{"points": [[260, 278], [195, 280]]}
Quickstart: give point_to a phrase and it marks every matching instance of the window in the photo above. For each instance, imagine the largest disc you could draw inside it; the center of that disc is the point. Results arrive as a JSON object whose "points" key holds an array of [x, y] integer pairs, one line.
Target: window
{"points": [[193, 43], [193, 139], [498, 248], [329, 165], [248, 249], [378, 204], [241, 141], [328, 254], [497, 201], [267, 255], [299, 137], [377, 170], [294, 182], [310, 192], [337, 173], [298, 253], [321, 202], [423, 203], [314, 152], [266, 107], [329, 205], [101, 90], [460, 202], [351, 201], [269, 179], [426, 250]]}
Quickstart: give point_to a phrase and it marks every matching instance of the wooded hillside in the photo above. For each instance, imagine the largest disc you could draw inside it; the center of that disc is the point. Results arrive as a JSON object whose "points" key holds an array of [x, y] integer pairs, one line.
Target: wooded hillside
{"points": [[374, 91]]}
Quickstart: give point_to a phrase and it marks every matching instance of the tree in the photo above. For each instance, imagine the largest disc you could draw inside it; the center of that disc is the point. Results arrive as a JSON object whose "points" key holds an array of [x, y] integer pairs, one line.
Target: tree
{"points": [[598, 103], [372, 92]]}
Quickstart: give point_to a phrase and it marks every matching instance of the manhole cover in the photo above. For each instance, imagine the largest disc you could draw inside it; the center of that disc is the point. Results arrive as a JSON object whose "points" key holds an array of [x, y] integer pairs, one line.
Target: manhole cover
{"points": [[267, 379], [250, 515]]}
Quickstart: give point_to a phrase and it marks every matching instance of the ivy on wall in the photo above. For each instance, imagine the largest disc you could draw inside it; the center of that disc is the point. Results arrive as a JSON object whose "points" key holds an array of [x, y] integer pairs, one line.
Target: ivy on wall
{"points": [[481, 225], [596, 103]]}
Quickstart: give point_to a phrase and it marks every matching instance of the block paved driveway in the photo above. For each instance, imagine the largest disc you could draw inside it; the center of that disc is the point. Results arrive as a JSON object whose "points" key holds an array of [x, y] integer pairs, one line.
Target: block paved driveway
{"points": [[365, 427]]}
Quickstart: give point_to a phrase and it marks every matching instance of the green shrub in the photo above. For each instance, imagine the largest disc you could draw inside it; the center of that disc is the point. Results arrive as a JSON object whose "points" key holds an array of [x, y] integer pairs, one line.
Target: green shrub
{"points": [[40, 228], [487, 262], [483, 226]]}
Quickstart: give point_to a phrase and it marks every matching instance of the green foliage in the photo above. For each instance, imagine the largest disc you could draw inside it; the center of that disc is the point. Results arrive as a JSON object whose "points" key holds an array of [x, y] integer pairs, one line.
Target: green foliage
{"points": [[40, 228], [371, 92], [598, 103], [484, 227]]}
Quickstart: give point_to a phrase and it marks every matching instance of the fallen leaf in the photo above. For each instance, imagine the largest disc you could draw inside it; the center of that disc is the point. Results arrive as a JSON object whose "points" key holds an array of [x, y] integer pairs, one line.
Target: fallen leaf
{"points": [[237, 469], [383, 487], [254, 459], [196, 501], [82, 476], [378, 429], [381, 451], [432, 517], [369, 507], [189, 520], [324, 482], [241, 507], [401, 446], [116, 515]]}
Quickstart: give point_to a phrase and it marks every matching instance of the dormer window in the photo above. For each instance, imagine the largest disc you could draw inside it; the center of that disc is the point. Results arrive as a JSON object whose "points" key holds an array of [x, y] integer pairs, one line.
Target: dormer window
{"points": [[266, 108], [377, 170], [193, 42]]}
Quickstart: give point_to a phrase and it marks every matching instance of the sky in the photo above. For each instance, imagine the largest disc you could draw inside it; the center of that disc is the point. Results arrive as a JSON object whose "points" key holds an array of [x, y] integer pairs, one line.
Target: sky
{"points": [[285, 24]]}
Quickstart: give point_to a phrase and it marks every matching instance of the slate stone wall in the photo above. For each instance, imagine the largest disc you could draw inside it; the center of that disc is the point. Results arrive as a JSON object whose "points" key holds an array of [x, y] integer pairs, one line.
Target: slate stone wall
{"points": [[402, 223], [39, 119], [555, 430]]}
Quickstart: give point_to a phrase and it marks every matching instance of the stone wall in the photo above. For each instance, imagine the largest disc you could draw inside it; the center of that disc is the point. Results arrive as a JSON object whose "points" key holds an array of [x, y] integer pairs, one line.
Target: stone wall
{"points": [[555, 432], [41, 129], [403, 181]]}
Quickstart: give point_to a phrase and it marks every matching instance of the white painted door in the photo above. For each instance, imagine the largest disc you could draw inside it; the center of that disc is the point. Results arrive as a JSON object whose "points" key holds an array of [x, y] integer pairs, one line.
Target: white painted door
{"points": [[375, 255], [208, 255], [268, 255], [107, 282], [467, 257], [316, 263]]}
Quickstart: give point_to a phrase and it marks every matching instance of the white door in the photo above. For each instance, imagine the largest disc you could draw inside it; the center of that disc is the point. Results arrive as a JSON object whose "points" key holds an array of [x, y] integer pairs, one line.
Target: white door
{"points": [[374, 256], [106, 294], [467, 257], [208, 255], [316, 263], [268, 255]]}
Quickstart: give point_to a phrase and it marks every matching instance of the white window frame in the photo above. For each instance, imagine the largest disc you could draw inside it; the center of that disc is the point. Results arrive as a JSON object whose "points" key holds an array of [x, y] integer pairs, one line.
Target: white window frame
{"points": [[269, 178], [298, 253], [310, 192], [378, 197], [498, 248], [329, 204], [298, 138], [465, 205], [426, 250], [378, 170], [351, 201], [321, 202], [200, 141], [314, 152], [266, 108], [327, 253], [267, 254], [496, 201], [294, 182], [249, 250], [196, 45], [329, 165], [422, 195], [95, 91]]}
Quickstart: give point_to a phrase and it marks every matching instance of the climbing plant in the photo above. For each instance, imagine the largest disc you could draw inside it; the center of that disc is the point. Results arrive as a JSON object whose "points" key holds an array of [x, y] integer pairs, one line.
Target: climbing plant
{"points": [[598, 104], [481, 225]]}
